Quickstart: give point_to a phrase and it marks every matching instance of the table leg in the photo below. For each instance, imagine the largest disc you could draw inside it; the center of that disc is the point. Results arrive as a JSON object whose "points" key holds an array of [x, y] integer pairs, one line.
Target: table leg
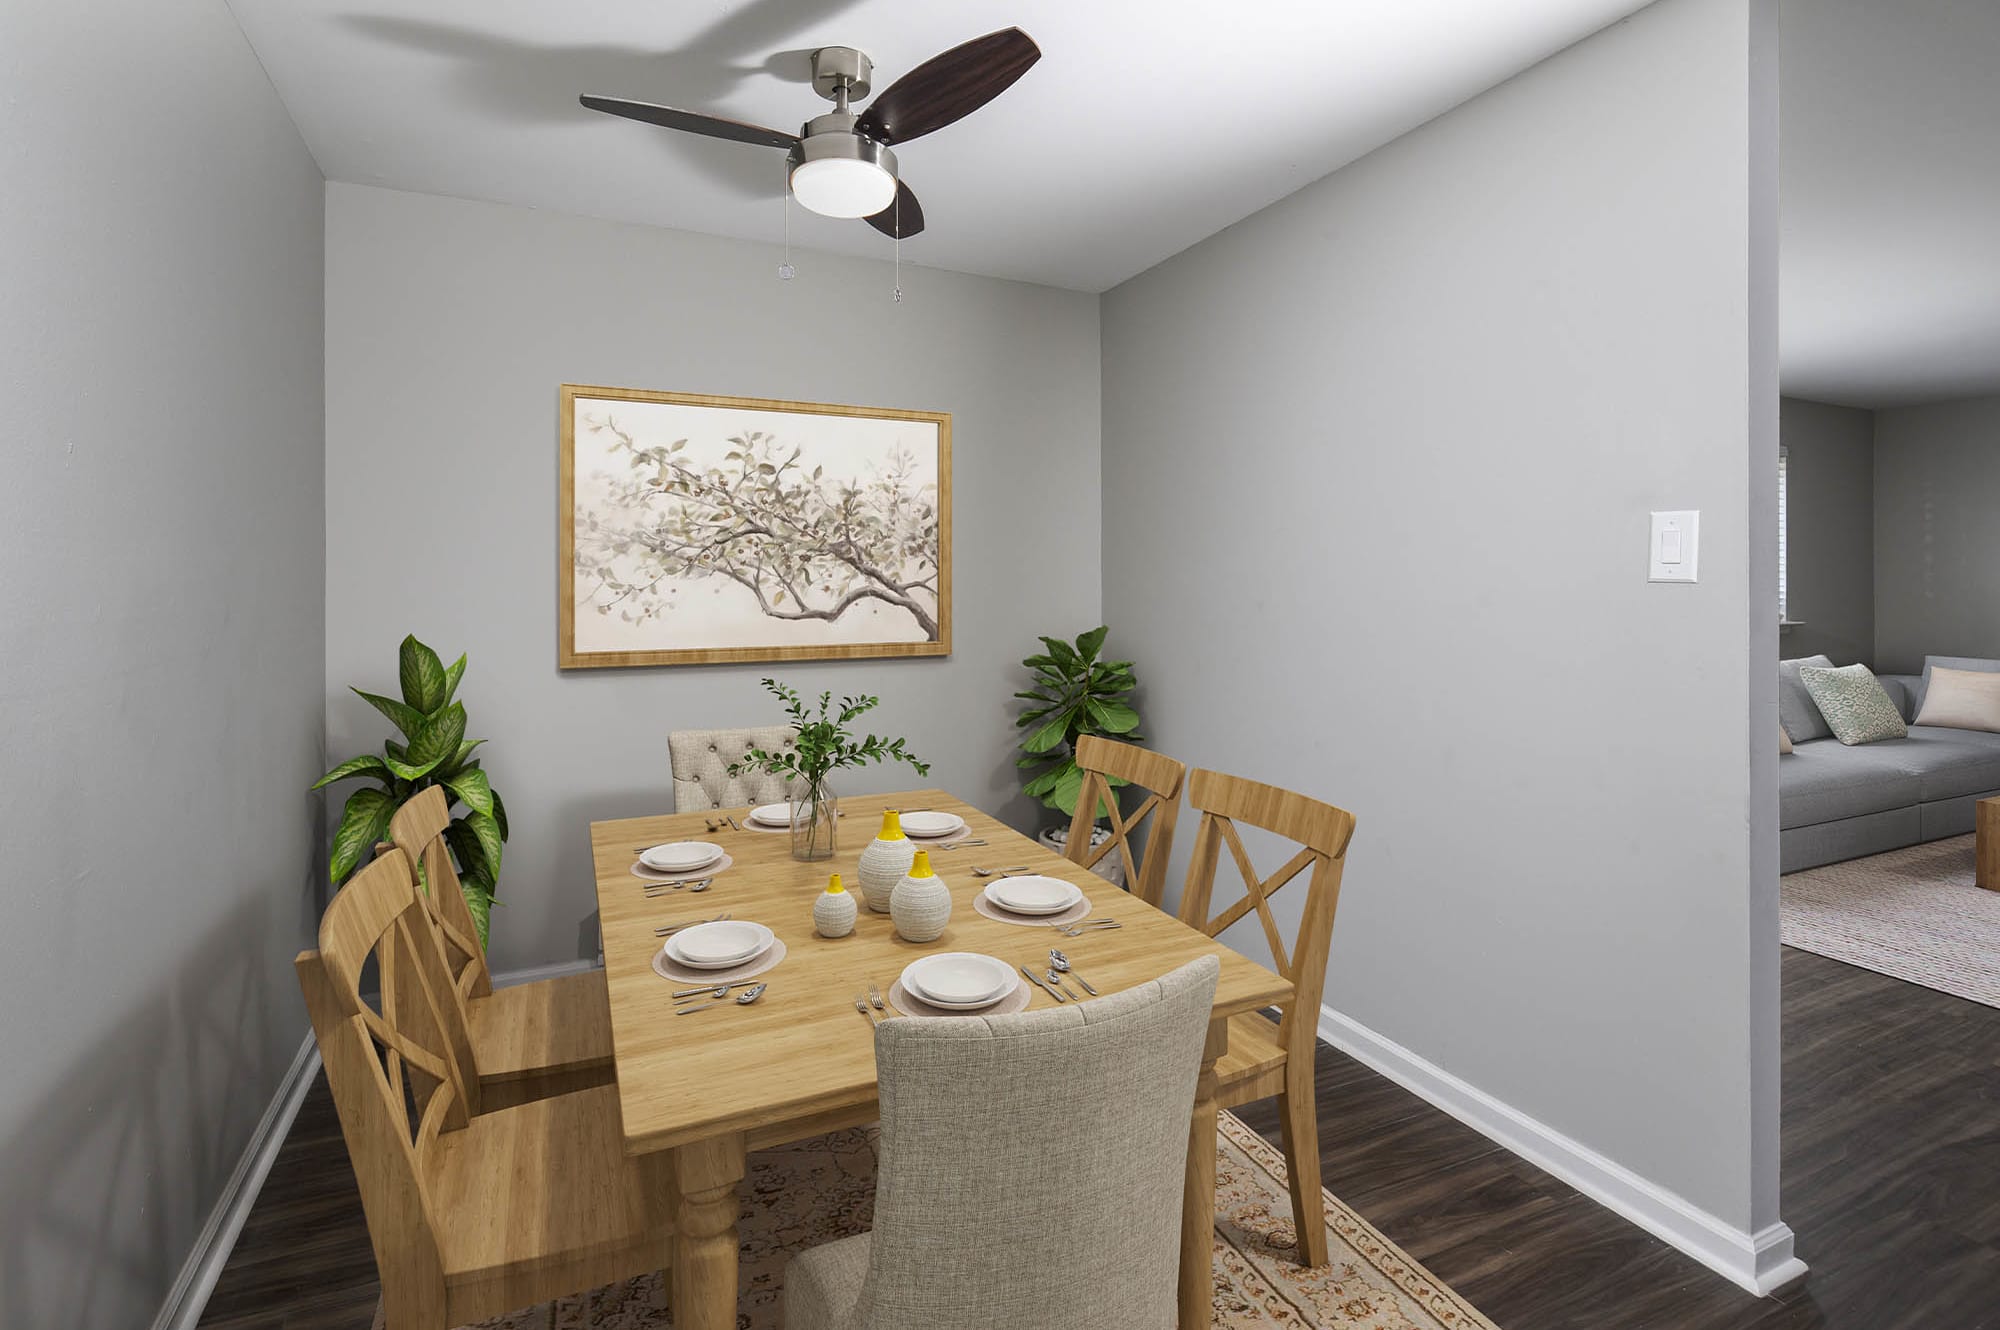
{"points": [[705, 1242], [1197, 1304], [1986, 844]]}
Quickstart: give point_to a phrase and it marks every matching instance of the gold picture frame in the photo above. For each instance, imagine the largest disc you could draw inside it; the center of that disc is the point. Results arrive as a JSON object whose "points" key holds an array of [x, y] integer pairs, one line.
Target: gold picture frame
{"points": [[703, 530]]}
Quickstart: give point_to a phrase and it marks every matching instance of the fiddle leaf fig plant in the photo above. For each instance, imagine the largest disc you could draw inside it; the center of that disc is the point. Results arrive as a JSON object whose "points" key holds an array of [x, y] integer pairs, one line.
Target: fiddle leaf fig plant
{"points": [[1073, 694], [433, 750]]}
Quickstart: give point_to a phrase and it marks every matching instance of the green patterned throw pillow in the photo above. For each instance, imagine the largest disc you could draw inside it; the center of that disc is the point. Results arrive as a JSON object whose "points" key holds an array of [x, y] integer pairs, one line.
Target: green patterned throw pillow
{"points": [[1854, 704]]}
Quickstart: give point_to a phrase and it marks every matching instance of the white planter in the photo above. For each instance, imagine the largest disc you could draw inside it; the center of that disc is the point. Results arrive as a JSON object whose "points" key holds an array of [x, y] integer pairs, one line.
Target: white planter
{"points": [[1111, 867]]}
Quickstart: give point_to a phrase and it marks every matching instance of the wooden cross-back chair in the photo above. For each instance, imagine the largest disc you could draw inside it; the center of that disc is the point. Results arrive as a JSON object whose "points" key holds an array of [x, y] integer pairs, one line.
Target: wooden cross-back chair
{"points": [[1102, 761], [1262, 1060], [469, 1215], [525, 1041]]}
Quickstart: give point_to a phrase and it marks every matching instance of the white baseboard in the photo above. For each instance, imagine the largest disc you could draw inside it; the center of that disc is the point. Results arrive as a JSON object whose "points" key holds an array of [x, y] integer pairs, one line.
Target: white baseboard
{"points": [[1761, 1262], [189, 1296]]}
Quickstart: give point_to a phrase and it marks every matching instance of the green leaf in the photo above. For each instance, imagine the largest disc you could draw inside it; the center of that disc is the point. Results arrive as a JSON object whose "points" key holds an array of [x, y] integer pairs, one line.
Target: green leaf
{"points": [[363, 821], [1065, 654], [1091, 643], [434, 741], [465, 849], [423, 676], [452, 674], [1115, 717], [478, 900], [1048, 780], [405, 718], [471, 786], [500, 814], [366, 765], [1067, 789], [1047, 738], [488, 833]]}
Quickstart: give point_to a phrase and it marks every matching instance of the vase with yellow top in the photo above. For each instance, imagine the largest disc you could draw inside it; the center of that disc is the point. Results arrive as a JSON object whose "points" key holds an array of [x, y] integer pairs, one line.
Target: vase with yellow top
{"points": [[885, 862], [833, 912], [921, 904]]}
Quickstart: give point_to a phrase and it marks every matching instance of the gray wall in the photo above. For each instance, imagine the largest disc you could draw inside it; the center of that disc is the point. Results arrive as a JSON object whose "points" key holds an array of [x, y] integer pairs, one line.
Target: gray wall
{"points": [[450, 326], [1378, 464], [1830, 522], [1937, 544], [160, 273]]}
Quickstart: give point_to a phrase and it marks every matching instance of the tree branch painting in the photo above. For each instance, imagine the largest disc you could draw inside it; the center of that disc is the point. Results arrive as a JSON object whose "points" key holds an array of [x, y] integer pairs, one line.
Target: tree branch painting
{"points": [[702, 529]]}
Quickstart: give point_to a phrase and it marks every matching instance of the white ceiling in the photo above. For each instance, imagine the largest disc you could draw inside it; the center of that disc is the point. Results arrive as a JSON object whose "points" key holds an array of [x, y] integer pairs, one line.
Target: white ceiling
{"points": [[1890, 177], [1147, 125]]}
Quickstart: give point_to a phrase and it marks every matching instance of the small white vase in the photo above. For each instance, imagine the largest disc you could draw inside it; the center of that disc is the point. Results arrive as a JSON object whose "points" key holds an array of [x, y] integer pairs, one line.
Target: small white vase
{"points": [[921, 904], [884, 862], [834, 911]]}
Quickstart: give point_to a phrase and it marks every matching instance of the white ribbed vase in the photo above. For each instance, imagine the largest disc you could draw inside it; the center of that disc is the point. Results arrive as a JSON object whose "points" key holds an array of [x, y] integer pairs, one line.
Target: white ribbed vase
{"points": [[921, 904], [834, 913], [885, 862]]}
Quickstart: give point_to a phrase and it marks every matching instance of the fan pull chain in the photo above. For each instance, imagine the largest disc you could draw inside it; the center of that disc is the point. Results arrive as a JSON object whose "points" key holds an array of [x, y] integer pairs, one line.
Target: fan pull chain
{"points": [[899, 244], [785, 269]]}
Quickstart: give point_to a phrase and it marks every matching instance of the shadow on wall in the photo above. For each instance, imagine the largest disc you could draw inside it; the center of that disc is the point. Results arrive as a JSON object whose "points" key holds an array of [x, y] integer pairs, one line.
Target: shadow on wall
{"points": [[114, 1169], [526, 84]]}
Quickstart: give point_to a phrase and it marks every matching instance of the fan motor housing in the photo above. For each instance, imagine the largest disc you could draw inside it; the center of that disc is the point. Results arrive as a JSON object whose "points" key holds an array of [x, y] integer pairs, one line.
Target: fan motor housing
{"points": [[834, 65], [834, 135]]}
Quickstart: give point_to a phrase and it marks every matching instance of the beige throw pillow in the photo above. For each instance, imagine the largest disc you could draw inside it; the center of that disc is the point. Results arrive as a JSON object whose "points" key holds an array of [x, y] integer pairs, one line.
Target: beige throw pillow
{"points": [[1962, 700], [1784, 741]]}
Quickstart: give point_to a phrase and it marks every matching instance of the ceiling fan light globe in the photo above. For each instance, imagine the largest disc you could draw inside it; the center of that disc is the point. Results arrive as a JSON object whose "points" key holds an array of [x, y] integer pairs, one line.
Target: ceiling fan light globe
{"points": [[843, 187]]}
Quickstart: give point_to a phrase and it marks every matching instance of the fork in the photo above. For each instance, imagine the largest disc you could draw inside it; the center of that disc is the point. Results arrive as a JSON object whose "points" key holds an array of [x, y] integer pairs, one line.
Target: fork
{"points": [[861, 1005], [875, 997], [662, 888], [977, 871], [960, 844], [675, 928], [1082, 926]]}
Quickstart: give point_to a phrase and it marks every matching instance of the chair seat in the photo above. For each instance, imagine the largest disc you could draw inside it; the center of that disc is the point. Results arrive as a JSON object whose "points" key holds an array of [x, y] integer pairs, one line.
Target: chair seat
{"points": [[1254, 1066], [538, 1200], [551, 1026]]}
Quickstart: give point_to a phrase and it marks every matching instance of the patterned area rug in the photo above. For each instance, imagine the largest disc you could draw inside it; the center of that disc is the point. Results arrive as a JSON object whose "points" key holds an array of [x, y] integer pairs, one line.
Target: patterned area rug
{"points": [[814, 1191], [1912, 914]]}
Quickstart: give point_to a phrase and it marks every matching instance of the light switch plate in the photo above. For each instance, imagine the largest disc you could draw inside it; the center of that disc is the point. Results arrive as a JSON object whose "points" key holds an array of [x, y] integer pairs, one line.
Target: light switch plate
{"points": [[1674, 544]]}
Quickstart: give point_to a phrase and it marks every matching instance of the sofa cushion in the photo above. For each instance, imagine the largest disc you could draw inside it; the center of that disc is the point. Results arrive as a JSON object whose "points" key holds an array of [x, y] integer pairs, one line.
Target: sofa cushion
{"points": [[1952, 763], [1962, 700], [1902, 690], [1949, 663], [1824, 781], [1796, 711], [1854, 705]]}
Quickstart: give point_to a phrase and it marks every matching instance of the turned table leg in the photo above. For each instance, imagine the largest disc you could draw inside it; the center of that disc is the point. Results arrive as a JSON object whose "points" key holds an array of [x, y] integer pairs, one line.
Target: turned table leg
{"points": [[1986, 844], [1197, 1302], [705, 1242]]}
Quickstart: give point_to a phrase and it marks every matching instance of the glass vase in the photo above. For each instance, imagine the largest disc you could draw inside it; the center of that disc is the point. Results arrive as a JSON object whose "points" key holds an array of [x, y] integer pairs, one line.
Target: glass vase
{"points": [[815, 814]]}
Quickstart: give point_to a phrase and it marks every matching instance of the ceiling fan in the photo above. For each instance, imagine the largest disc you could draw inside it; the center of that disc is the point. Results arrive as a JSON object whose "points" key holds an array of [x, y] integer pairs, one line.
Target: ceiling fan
{"points": [[842, 164]]}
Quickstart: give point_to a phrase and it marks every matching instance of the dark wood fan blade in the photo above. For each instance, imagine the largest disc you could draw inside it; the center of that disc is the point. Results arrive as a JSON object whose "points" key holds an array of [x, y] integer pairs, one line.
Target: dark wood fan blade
{"points": [[694, 122], [905, 212], [949, 87]]}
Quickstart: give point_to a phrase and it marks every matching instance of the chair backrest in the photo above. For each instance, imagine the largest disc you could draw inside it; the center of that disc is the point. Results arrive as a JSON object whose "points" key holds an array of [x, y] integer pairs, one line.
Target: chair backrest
{"points": [[1037, 1156], [418, 830], [700, 760], [396, 1086], [1321, 831], [1104, 761]]}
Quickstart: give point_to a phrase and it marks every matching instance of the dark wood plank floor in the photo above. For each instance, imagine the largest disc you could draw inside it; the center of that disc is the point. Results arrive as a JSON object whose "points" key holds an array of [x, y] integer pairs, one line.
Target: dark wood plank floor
{"points": [[1891, 1184]]}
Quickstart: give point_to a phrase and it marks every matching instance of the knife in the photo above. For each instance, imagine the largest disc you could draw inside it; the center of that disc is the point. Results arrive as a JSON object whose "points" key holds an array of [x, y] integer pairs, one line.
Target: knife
{"points": [[1039, 983]]}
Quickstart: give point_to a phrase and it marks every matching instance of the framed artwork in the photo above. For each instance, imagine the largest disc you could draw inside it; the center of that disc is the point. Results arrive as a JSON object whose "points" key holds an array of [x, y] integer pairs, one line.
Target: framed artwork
{"points": [[696, 530]]}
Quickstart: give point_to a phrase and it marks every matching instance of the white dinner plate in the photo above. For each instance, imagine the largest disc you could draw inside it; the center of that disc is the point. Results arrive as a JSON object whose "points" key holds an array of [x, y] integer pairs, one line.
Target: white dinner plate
{"points": [[960, 980], [1033, 895], [930, 826], [719, 945], [681, 856], [772, 815]]}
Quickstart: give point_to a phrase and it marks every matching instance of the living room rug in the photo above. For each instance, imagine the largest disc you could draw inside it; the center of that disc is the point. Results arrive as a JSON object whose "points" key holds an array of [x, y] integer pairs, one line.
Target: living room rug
{"points": [[1912, 914], [816, 1190]]}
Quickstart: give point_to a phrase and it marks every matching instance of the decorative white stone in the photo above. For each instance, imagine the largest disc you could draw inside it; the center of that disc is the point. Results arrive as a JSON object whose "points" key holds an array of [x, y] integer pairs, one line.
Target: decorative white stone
{"points": [[834, 912], [884, 863], [920, 906]]}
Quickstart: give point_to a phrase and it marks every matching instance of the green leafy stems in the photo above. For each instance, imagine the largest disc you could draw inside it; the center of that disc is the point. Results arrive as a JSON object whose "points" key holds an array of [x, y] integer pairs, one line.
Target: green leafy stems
{"points": [[824, 744], [433, 751], [1074, 694]]}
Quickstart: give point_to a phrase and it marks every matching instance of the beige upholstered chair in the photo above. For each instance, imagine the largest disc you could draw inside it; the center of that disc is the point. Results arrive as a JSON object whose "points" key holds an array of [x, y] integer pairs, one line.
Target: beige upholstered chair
{"points": [[701, 761], [1031, 1170]]}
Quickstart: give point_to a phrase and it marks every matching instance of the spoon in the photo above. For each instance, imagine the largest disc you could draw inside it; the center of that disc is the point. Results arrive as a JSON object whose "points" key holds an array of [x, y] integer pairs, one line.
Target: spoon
{"points": [[1055, 977], [1060, 964], [743, 999], [977, 871]]}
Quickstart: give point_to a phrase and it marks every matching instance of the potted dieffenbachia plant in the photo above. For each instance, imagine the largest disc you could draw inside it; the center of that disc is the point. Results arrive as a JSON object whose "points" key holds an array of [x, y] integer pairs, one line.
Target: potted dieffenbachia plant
{"points": [[433, 750]]}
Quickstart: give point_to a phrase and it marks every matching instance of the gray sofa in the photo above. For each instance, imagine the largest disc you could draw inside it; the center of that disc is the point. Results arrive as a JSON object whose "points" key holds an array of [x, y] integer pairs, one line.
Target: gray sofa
{"points": [[1837, 802]]}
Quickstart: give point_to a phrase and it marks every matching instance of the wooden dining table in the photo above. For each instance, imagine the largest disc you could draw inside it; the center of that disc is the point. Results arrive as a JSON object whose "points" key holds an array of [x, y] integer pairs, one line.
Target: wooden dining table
{"points": [[705, 1089]]}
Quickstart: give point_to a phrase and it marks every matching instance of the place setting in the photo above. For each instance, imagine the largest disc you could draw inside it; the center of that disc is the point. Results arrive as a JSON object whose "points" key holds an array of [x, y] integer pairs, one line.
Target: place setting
{"points": [[772, 817], [718, 954], [959, 983], [683, 863], [1031, 899]]}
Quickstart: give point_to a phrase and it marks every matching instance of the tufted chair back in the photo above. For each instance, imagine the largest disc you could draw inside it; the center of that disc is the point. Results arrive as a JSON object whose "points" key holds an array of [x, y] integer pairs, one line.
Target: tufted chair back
{"points": [[701, 761]]}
